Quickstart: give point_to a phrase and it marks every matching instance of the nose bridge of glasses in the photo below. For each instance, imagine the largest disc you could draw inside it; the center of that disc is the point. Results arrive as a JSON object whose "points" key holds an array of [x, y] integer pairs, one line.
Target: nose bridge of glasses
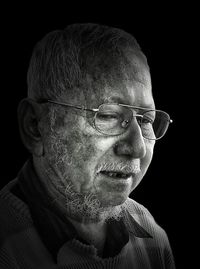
{"points": [[133, 119], [137, 121], [138, 116], [134, 113]]}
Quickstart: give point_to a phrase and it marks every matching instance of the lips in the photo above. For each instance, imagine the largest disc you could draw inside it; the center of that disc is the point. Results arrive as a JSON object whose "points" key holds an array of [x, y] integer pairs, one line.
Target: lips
{"points": [[116, 174]]}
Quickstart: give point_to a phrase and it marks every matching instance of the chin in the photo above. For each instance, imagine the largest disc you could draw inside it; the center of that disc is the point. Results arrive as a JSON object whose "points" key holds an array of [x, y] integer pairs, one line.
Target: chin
{"points": [[115, 200], [135, 184]]}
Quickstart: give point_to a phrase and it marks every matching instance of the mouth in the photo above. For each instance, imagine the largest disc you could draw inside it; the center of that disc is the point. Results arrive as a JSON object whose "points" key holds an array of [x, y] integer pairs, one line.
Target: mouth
{"points": [[116, 174]]}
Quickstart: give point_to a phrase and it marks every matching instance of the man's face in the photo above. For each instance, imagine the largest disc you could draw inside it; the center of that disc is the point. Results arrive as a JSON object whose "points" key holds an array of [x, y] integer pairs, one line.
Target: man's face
{"points": [[77, 156]]}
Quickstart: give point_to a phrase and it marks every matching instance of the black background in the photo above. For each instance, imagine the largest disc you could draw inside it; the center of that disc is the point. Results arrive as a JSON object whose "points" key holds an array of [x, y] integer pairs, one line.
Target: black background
{"points": [[163, 33]]}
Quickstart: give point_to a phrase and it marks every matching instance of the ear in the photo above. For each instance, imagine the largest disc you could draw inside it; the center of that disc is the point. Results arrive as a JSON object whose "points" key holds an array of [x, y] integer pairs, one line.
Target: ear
{"points": [[28, 118]]}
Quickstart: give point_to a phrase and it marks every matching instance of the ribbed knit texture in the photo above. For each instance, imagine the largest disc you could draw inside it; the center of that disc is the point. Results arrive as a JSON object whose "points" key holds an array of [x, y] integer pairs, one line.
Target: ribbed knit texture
{"points": [[22, 248]]}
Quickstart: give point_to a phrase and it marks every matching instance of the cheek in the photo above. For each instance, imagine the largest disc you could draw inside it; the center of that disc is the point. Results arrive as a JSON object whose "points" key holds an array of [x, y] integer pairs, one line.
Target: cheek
{"points": [[74, 152], [72, 157], [145, 162], [104, 144]]}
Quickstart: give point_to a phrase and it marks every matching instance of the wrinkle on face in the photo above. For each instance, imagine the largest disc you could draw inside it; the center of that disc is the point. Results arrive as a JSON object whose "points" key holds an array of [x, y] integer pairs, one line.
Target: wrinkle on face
{"points": [[74, 149], [63, 155], [67, 144]]}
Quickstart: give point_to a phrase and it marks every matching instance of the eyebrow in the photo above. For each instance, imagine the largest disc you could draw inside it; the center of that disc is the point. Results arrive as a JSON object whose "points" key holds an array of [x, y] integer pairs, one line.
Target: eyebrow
{"points": [[120, 101]]}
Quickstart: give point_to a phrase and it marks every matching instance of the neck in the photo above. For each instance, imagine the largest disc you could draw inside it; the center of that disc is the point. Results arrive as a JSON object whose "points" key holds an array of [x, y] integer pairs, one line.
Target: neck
{"points": [[92, 233]]}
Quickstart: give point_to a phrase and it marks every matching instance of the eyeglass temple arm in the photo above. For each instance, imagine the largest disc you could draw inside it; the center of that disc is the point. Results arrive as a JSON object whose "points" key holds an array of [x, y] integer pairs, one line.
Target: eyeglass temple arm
{"points": [[69, 105]]}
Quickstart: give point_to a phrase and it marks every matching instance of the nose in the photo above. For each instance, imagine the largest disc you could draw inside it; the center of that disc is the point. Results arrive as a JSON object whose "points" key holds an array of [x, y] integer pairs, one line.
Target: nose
{"points": [[131, 144]]}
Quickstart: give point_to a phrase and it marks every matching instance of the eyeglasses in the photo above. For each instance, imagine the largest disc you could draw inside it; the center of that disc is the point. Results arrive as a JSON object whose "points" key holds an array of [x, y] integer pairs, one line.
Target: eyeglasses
{"points": [[114, 119]]}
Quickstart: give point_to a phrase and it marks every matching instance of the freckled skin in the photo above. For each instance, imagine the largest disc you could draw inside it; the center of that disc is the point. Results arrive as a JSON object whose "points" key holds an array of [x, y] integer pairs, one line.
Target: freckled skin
{"points": [[83, 148]]}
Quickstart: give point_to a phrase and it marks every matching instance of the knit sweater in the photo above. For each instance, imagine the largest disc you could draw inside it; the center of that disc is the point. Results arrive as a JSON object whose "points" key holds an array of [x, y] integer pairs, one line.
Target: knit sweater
{"points": [[143, 243]]}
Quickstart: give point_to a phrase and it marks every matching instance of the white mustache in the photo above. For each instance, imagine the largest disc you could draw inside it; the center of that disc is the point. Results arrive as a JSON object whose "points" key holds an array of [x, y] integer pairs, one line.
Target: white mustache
{"points": [[133, 168]]}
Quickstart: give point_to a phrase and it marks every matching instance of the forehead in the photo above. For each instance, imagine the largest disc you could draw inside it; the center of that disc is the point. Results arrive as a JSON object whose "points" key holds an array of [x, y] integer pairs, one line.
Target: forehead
{"points": [[132, 90], [129, 85]]}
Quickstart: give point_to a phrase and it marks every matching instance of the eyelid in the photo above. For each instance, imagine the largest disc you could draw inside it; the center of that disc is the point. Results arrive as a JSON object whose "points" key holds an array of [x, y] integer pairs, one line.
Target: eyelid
{"points": [[149, 119]]}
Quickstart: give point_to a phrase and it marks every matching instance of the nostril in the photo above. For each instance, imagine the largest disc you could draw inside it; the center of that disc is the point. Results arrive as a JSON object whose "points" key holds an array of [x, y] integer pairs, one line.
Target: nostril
{"points": [[122, 148]]}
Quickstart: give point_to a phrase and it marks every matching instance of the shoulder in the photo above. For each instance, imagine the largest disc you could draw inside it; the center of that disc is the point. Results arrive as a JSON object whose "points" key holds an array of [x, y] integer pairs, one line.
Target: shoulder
{"points": [[14, 213], [145, 219], [158, 243], [139, 212]]}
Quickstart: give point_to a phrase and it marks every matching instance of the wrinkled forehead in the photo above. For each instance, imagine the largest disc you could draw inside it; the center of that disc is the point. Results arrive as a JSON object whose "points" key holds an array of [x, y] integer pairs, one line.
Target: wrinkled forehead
{"points": [[126, 81], [108, 79]]}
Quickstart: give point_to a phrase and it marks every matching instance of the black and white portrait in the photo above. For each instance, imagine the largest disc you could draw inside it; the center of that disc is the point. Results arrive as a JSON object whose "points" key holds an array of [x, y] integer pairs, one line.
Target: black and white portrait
{"points": [[89, 181]]}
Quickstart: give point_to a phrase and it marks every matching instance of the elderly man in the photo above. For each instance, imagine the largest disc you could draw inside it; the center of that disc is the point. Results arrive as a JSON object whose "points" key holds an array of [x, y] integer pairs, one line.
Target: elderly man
{"points": [[90, 125]]}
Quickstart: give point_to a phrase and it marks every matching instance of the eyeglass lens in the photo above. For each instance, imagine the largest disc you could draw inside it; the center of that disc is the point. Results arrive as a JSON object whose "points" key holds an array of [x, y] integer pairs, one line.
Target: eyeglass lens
{"points": [[113, 119]]}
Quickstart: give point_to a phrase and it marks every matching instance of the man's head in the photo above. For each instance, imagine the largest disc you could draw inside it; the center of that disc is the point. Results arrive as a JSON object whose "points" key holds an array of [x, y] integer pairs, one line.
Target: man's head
{"points": [[86, 171]]}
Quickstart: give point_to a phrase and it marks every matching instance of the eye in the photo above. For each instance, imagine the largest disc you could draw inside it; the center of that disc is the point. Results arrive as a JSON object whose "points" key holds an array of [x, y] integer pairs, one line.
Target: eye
{"points": [[147, 120], [107, 116], [147, 126]]}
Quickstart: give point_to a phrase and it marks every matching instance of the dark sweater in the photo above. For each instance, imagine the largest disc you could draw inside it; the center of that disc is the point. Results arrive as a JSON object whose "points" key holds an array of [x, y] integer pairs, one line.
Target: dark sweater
{"points": [[34, 236]]}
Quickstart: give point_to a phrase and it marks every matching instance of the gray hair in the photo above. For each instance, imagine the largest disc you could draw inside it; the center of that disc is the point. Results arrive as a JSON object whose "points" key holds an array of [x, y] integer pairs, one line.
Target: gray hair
{"points": [[63, 58]]}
